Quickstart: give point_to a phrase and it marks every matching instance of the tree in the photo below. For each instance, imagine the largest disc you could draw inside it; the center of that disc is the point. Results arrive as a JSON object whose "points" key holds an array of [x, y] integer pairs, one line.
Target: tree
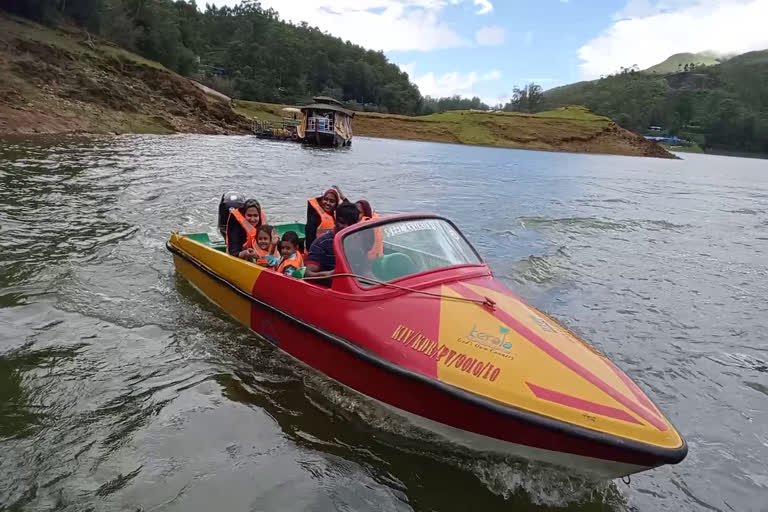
{"points": [[527, 99]]}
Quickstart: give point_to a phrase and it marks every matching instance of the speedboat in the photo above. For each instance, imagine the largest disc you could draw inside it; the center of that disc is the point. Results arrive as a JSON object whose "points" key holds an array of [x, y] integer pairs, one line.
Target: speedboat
{"points": [[426, 330]]}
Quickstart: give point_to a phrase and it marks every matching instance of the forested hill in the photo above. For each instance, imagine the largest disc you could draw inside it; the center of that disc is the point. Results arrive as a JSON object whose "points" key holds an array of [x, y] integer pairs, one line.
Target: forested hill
{"points": [[724, 106], [246, 51]]}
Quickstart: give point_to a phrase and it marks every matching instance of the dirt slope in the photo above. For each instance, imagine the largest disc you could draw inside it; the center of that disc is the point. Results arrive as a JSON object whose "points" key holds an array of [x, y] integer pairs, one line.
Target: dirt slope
{"points": [[53, 81]]}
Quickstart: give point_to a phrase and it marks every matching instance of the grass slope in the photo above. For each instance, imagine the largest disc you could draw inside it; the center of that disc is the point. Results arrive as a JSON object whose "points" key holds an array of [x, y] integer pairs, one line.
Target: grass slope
{"points": [[59, 81]]}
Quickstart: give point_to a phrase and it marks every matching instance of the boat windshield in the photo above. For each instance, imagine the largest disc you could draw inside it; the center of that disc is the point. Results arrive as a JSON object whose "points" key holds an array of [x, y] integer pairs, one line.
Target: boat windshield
{"points": [[407, 247]]}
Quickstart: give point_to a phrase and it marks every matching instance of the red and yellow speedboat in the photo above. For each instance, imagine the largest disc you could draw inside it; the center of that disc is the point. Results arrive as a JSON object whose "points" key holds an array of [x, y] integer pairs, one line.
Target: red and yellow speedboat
{"points": [[426, 330]]}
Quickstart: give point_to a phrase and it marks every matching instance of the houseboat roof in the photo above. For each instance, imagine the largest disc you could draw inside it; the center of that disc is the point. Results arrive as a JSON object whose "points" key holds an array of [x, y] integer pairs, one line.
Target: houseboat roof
{"points": [[327, 99], [327, 106]]}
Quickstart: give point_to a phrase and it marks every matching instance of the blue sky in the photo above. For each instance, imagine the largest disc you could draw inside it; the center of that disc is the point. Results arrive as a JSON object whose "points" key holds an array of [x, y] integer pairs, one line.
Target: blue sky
{"points": [[486, 47]]}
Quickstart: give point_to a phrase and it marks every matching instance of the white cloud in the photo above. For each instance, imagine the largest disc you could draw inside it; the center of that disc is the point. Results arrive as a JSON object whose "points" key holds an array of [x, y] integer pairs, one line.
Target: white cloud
{"points": [[485, 6], [650, 31], [380, 24], [490, 35], [450, 84]]}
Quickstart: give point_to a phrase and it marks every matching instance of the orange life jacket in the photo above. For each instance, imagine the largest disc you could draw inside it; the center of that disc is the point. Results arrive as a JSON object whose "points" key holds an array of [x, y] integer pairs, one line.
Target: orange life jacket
{"points": [[295, 261], [250, 231], [377, 250], [327, 221], [263, 253]]}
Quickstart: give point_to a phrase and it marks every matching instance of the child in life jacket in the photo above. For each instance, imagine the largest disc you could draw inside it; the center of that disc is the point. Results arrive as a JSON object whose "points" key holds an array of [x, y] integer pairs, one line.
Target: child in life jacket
{"points": [[266, 247], [291, 259]]}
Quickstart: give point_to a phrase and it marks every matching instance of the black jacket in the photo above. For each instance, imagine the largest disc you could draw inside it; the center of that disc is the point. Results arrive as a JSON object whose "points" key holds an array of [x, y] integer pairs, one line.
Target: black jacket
{"points": [[236, 236]]}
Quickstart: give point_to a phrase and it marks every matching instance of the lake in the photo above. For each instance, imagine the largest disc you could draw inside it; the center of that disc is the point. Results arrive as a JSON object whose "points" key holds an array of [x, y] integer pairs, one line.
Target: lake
{"points": [[122, 388]]}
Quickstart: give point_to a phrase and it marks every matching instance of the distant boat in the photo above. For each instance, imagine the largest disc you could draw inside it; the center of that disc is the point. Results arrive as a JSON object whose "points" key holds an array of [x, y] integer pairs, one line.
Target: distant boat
{"points": [[675, 141], [326, 123]]}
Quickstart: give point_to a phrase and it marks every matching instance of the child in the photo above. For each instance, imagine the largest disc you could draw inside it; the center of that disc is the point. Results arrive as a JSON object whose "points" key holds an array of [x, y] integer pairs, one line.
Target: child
{"points": [[266, 250], [289, 248]]}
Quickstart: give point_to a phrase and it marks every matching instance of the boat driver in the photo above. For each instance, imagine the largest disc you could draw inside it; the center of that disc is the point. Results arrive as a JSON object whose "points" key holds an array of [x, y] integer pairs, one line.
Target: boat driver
{"points": [[321, 261]]}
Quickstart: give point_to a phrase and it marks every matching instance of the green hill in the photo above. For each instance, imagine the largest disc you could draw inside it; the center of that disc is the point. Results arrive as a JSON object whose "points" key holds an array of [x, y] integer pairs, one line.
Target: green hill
{"points": [[722, 106], [678, 61]]}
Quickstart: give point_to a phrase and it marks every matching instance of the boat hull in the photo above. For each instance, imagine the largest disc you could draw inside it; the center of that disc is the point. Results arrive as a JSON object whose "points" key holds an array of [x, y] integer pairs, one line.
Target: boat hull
{"points": [[458, 415], [326, 139], [587, 467]]}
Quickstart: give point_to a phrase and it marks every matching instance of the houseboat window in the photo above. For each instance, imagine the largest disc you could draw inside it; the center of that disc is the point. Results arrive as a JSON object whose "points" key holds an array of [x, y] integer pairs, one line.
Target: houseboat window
{"points": [[409, 247]]}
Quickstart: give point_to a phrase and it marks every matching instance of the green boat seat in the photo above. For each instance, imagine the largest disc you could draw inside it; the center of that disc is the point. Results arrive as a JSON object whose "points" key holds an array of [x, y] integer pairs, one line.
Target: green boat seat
{"points": [[203, 238], [393, 266]]}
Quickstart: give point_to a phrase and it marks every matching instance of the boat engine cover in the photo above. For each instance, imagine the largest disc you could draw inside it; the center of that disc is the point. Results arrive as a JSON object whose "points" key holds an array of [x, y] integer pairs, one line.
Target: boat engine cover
{"points": [[228, 201]]}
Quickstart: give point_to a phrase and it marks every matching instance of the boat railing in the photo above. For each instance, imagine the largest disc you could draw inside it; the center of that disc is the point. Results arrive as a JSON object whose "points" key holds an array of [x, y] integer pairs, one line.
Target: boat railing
{"points": [[320, 124], [283, 128]]}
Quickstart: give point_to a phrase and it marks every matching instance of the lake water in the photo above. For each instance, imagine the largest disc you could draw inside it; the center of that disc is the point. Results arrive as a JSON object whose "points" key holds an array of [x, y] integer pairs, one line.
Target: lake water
{"points": [[121, 388]]}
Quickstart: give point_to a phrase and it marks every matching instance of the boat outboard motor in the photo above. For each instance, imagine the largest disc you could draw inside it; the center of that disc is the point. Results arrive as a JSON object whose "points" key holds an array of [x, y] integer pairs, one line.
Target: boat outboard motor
{"points": [[228, 200]]}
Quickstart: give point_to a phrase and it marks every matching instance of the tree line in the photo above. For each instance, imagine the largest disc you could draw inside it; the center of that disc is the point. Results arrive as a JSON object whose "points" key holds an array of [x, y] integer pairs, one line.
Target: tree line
{"points": [[246, 50], [724, 106]]}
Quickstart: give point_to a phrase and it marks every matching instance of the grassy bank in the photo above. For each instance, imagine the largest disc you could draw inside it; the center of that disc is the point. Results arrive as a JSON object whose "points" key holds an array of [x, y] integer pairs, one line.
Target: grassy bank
{"points": [[564, 129]]}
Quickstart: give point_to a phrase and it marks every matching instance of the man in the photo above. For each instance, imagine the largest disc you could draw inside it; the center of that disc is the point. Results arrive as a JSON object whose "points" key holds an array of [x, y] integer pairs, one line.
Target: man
{"points": [[321, 260]]}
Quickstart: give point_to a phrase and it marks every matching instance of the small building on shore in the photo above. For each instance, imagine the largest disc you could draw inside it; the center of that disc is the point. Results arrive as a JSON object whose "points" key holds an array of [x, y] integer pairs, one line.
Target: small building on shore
{"points": [[326, 123]]}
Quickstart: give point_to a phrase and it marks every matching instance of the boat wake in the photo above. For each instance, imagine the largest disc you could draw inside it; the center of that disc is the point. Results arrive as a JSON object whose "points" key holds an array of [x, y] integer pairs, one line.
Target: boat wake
{"points": [[505, 476], [584, 224]]}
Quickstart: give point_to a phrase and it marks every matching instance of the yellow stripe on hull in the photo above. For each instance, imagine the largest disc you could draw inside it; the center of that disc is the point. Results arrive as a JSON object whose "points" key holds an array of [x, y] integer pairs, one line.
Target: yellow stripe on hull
{"points": [[240, 273], [490, 358], [223, 296]]}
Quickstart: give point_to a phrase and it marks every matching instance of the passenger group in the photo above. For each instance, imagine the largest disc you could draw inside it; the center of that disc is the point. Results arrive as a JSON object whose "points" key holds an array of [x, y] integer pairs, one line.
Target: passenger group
{"points": [[249, 237]]}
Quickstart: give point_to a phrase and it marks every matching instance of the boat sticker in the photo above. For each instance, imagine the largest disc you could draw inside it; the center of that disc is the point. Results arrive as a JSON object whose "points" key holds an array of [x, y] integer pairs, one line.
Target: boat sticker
{"points": [[498, 341], [410, 227], [445, 355]]}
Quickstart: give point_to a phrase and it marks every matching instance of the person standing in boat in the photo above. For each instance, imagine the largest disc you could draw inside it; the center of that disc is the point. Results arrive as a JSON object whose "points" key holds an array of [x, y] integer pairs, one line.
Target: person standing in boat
{"points": [[242, 229], [321, 260], [321, 215]]}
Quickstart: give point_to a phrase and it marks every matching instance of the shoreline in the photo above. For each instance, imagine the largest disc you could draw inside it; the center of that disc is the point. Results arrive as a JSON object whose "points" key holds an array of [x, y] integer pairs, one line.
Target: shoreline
{"points": [[52, 83]]}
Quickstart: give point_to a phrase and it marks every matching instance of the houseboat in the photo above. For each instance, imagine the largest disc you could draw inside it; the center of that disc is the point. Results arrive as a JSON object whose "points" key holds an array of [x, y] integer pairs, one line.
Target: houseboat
{"points": [[326, 123]]}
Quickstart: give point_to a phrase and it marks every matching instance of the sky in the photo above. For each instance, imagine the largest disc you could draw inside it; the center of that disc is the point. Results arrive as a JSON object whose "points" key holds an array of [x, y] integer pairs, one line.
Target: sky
{"points": [[486, 47]]}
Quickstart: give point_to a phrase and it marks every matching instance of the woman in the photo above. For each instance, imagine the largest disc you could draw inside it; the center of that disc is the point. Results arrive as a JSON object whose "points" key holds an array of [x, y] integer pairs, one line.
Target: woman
{"points": [[242, 229], [320, 215], [365, 212]]}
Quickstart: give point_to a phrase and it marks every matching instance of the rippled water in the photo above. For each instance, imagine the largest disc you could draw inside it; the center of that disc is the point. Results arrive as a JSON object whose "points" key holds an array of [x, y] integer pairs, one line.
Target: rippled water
{"points": [[121, 388]]}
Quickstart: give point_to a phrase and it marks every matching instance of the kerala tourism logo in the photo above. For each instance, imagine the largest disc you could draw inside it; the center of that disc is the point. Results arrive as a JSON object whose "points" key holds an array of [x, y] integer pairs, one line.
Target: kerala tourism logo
{"points": [[498, 340]]}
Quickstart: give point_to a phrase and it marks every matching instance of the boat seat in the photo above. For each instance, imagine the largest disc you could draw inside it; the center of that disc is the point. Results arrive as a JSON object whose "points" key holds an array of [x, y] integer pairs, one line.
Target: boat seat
{"points": [[393, 266]]}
